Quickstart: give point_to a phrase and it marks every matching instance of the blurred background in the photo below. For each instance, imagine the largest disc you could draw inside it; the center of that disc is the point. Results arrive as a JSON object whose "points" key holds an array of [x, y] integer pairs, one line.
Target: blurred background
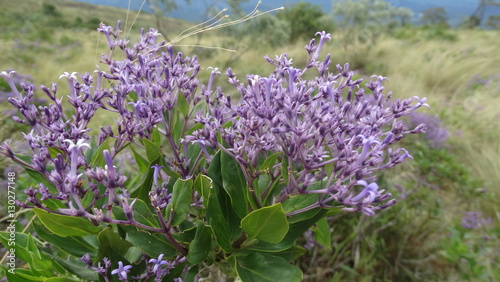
{"points": [[446, 224]]}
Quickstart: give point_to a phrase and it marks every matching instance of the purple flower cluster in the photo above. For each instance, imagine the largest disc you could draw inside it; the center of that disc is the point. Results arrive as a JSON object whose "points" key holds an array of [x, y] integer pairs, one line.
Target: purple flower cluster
{"points": [[156, 269], [15, 81], [474, 219], [142, 90], [329, 129], [325, 132], [149, 84], [436, 133]]}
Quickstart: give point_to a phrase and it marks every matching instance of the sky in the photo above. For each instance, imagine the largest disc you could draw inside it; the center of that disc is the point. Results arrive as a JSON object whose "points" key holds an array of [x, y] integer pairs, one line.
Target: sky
{"points": [[456, 9]]}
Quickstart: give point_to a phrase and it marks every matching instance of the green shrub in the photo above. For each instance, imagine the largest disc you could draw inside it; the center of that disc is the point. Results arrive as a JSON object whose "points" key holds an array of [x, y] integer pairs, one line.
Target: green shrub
{"points": [[305, 19]]}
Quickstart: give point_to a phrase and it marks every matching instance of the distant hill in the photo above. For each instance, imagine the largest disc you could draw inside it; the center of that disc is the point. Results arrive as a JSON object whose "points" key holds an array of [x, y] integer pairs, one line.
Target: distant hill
{"points": [[195, 12]]}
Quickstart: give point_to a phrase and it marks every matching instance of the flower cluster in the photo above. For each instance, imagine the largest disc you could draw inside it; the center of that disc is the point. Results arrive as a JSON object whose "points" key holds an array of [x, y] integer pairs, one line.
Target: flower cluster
{"points": [[329, 128], [474, 219], [144, 90], [156, 269], [436, 133]]}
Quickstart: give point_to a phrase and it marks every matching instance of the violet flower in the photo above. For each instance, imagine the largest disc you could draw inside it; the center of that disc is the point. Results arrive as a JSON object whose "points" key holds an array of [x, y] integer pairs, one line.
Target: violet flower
{"points": [[122, 271], [474, 219], [158, 263]]}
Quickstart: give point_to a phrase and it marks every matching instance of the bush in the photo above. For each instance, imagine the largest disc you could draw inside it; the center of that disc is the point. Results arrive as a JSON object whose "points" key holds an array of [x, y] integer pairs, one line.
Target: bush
{"points": [[220, 190], [303, 18]]}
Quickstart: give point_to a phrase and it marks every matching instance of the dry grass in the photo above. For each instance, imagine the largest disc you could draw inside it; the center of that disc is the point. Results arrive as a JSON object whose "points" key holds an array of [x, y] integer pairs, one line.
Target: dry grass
{"points": [[442, 71]]}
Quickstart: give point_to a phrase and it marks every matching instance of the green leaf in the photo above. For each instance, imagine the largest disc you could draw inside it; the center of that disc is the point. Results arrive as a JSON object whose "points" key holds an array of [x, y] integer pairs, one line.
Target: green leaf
{"points": [[98, 158], [177, 126], [23, 275], [152, 244], [262, 183], [201, 245], [134, 254], [289, 253], [221, 216], [284, 170], [195, 127], [270, 161], [26, 249], [292, 253], [203, 185], [295, 230], [297, 202], [153, 151], [24, 158], [181, 199], [54, 204], [112, 246], [322, 234], [53, 151], [235, 185], [59, 279], [156, 137], [182, 104], [261, 267], [187, 232], [268, 224], [39, 178], [73, 245], [333, 211], [77, 267], [141, 161], [90, 152], [63, 225], [275, 188]]}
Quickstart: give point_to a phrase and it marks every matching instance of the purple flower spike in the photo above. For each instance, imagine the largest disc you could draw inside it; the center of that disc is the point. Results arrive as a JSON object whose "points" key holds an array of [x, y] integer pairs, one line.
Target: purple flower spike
{"points": [[122, 271], [156, 173], [214, 72], [367, 143], [323, 37], [71, 82], [114, 179], [8, 76], [109, 162], [368, 194]]}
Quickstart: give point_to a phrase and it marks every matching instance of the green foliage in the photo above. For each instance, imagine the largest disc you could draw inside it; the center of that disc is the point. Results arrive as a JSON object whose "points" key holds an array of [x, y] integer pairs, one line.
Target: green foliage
{"points": [[256, 267], [434, 16], [418, 33], [493, 22], [50, 10], [304, 19], [268, 224], [440, 168], [260, 32], [361, 23], [66, 225], [472, 251]]}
